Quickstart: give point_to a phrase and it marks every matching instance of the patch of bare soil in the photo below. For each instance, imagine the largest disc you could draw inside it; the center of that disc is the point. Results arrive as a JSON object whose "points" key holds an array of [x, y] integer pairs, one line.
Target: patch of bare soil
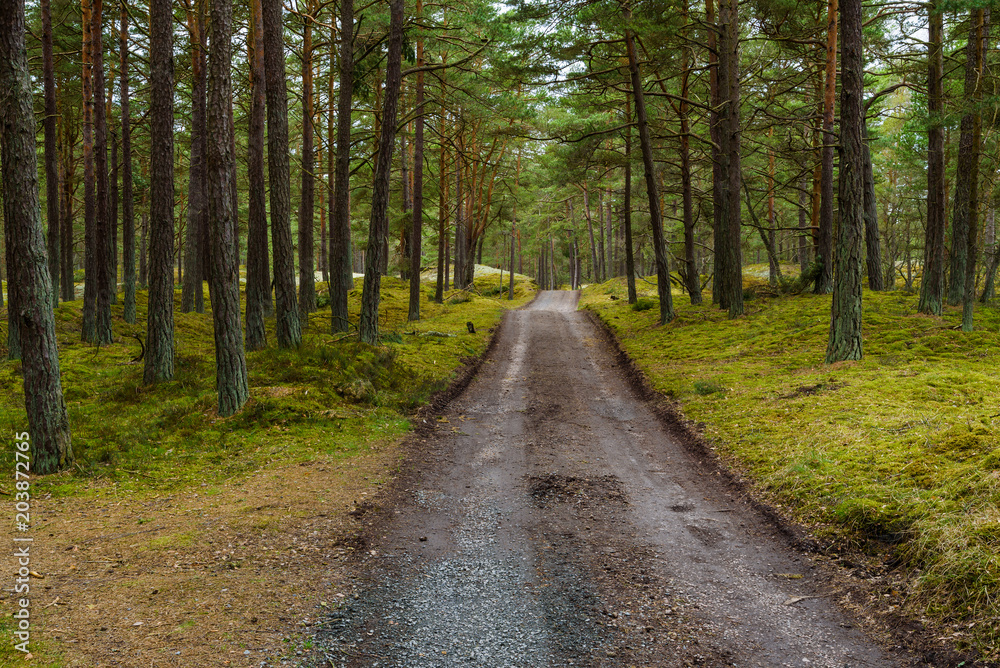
{"points": [[212, 576], [600, 489]]}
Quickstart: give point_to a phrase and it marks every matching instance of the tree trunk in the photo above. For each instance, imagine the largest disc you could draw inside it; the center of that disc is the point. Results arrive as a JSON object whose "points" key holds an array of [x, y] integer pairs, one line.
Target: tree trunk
{"points": [[595, 266], [113, 213], [932, 283], [803, 229], [719, 295], [287, 329], [341, 270], [192, 291], [693, 280], [824, 280], [90, 282], [159, 358], [66, 214], [729, 168], [873, 246], [773, 261], [307, 266], [128, 203], [442, 259], [258, 288], [627, 216], [28, 277], [51, 168], [979, 36], [230, 359], [645, 143], [845, 320], [378, 225], [102, 228], [418, 182], [965, 179]]}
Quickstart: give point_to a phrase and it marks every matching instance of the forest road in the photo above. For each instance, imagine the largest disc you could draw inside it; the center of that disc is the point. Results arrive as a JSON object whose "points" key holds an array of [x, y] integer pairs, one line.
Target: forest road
{"points": [[550, 520]]}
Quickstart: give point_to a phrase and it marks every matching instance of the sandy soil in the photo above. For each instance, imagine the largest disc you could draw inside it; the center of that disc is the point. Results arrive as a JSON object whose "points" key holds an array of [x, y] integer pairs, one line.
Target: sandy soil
{"points": [[551, 516]]}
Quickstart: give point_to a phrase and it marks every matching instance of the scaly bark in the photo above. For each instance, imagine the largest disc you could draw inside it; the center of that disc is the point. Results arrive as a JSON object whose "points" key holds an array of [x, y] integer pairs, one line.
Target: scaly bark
{"points": [[979, 35], [873, 245], [307, 276], [824, 251], [90, 282], [192, 292], [729, 168], [932, 283], [128, 204], [288, 329], [28, 275], [341, 271], [102, 225], [230, 358], [418, 183], [845, 319], [378, 225], [51, 168], [159, 358], [258, 269]]}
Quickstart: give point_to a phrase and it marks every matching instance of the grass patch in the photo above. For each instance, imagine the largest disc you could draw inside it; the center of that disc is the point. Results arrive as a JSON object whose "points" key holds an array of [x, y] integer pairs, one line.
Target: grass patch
{"points": [[898, 454]]}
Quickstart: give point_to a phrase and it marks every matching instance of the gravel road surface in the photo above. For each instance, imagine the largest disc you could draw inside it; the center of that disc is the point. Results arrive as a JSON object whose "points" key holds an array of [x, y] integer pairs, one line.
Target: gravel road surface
{"points": [[549, 519]]}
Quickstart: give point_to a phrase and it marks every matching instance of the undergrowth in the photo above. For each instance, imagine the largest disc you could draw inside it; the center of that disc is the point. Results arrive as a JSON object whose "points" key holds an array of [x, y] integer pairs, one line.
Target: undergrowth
{"points": [[330, 397], [898, 454]]}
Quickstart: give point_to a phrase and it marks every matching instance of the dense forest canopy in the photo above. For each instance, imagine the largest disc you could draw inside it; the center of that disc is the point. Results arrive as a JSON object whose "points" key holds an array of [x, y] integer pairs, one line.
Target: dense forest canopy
{"points": [[284, 148]]}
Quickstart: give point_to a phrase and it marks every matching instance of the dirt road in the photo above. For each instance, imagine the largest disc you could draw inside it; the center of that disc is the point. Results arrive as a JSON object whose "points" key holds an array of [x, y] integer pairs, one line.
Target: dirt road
{"points": [[551, 520]]}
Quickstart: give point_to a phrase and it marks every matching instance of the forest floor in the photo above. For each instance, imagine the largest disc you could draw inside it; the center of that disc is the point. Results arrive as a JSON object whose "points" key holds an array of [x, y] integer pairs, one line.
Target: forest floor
{"points": [[558, 513], [182, 539]]}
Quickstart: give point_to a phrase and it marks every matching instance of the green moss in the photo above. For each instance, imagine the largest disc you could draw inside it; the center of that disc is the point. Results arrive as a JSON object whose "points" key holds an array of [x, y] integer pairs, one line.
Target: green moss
{"points": [[333, 396], [898, 449]]}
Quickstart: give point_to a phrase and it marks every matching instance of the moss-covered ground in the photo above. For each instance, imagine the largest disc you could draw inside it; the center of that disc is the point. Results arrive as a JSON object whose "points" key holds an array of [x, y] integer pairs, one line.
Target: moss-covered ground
{"points": [[897, 455], [156, 461]]}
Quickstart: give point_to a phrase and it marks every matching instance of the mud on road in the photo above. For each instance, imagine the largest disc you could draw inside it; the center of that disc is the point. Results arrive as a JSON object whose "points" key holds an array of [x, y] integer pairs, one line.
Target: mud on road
{"points": [[549, 519]]}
